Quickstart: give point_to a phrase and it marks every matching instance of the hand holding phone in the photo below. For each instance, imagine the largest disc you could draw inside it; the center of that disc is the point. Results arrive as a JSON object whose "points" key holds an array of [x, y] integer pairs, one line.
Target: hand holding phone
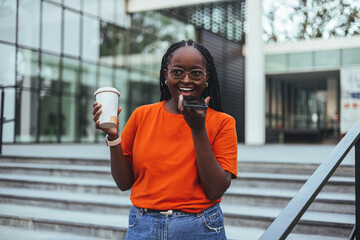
{"points": [[194, 102]]}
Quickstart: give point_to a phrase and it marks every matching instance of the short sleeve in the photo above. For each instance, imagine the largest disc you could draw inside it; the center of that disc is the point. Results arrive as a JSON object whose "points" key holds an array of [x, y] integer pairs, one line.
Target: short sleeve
{"points": [[128, 136], [225, 146]]}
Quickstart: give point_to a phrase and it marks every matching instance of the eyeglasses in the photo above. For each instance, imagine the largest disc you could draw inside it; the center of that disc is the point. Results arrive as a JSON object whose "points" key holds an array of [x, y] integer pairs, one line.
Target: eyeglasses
{"points": [[179, 74]]}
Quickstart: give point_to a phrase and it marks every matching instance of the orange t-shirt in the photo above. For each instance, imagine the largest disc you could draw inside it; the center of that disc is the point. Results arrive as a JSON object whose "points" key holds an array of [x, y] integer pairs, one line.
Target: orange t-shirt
{"points": [[160, 149]]}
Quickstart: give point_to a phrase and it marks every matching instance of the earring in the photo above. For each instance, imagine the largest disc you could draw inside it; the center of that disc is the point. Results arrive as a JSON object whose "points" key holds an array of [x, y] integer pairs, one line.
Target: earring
{"points": [[206, 84], [166, 83]]}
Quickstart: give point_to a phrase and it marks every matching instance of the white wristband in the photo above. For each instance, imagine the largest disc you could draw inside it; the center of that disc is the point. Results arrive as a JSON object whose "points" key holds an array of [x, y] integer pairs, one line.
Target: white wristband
{"points": [[113, 143]]}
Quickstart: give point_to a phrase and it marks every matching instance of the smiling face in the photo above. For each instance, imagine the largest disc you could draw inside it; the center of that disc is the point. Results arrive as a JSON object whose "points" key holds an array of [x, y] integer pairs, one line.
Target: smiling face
{"points": [[186, 59]]}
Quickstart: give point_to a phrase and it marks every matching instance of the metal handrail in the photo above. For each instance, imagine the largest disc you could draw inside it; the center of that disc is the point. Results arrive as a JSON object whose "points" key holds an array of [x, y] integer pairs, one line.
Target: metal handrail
{"points": [[291, 214]]}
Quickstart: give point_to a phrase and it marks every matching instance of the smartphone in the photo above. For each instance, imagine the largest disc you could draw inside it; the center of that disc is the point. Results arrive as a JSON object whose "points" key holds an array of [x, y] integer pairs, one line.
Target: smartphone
{"points": [[194, 102]]}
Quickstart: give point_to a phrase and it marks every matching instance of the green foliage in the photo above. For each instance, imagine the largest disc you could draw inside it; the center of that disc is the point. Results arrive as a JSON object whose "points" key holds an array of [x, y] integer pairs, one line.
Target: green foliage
{"points": [[307, 19]]}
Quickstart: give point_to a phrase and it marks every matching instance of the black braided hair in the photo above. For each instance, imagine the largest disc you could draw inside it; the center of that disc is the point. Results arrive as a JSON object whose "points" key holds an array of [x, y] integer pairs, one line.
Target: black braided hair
{"points": [[213, 88]]}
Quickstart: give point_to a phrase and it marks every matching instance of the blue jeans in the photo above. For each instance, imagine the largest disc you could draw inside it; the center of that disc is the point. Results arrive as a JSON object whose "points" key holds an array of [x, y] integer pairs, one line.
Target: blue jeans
{"points": [[208, 224]]}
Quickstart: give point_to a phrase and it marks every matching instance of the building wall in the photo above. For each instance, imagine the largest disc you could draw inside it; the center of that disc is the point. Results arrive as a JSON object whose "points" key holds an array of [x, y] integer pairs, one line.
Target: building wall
{"points": [[230, 66], [303, 87], [58, 52]]}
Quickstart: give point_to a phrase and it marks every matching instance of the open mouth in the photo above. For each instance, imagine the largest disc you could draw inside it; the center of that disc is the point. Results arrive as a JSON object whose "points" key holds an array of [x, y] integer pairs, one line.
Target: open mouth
{"points": [[186, 91]]}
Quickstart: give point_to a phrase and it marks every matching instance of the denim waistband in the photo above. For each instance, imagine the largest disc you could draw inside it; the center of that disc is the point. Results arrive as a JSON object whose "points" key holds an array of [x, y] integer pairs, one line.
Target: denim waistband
{"points": [[174, 212]]}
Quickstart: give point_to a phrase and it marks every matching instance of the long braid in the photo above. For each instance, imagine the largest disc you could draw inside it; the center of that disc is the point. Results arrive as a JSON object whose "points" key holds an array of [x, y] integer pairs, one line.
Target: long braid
{"points": [[213, 88], [164, 90]]}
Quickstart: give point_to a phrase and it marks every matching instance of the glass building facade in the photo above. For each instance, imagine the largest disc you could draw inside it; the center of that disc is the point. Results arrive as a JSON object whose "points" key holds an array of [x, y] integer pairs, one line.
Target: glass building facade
{"points": [[58, 52], [54, 54], [303, 92]]}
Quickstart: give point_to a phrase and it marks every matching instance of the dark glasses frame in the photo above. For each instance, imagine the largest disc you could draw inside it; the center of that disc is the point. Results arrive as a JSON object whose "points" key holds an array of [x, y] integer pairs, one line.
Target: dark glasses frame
{"points": [[183, 73]]}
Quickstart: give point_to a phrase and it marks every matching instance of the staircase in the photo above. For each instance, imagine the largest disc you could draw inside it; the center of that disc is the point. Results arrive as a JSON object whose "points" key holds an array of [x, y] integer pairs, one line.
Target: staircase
{"points": [[64, 198]]}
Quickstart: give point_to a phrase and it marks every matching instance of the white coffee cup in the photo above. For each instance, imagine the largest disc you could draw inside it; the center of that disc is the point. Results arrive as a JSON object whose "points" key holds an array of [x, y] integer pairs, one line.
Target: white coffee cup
{"points": [[108, 97]]}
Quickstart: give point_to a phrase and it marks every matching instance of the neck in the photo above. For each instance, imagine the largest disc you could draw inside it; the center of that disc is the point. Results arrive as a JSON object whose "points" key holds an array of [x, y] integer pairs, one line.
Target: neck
{"points": [[171, 106]]}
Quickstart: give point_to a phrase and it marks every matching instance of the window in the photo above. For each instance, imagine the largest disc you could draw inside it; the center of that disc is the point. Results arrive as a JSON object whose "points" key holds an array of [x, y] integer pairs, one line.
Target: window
{"points": [[27, 103], [51, 23], [74, 4], [106, 76], [29, 23], [7, 78], [50, 119], [300, 61], [87, 130], [351, 56], [70, 103], [70, 75], [91, 39], [7, 65], [71, 33], [327, 58], [275, 62], [107, 47], [91, 7], [107, 10], [8, 16]]}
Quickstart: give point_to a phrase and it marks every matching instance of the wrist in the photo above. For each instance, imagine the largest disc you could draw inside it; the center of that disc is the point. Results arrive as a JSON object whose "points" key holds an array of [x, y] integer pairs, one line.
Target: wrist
{"points": [[198, 130], [112, 137], [110, 142]]}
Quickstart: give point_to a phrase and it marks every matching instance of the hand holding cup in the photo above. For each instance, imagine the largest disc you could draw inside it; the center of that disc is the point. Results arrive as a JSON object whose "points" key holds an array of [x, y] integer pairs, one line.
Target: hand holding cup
{"points": [[105, 110]]}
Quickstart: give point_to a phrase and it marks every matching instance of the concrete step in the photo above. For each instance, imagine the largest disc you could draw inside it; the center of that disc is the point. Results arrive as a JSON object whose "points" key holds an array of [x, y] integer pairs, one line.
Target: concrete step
{"points": [[52, 160], [247, 233], [107, 185], [252, 202], [81, 185], [279, 198], [118, 203], [312, 222], [17, 233], [48, 169], [106, 204], [107, 226], [291, 181], [237, 194], [345, 169], [235, 214], [90, 224], [289, 167]]}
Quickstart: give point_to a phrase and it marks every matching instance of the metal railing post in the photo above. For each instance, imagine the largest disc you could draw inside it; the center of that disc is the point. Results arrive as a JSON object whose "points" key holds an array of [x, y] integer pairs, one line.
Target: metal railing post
{"points": [[357, 189], [291, 214], [2, 117]]}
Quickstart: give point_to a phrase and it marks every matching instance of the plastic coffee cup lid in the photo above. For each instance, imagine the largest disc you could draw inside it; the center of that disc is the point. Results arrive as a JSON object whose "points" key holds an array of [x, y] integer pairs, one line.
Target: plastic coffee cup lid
{"points": [[107, 89]]}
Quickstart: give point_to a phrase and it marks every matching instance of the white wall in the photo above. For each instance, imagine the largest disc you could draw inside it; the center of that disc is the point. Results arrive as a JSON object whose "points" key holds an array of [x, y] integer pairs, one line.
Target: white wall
{"points": [[254, 76]]}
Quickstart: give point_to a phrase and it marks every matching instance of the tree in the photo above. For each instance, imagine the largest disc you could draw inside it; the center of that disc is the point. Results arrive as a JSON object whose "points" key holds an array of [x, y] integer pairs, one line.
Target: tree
{"points": [[307, 19]]}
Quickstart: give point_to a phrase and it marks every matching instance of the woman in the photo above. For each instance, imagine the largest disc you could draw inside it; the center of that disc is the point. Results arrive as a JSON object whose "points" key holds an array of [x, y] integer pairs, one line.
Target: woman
{"points": [[178, 161]]}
